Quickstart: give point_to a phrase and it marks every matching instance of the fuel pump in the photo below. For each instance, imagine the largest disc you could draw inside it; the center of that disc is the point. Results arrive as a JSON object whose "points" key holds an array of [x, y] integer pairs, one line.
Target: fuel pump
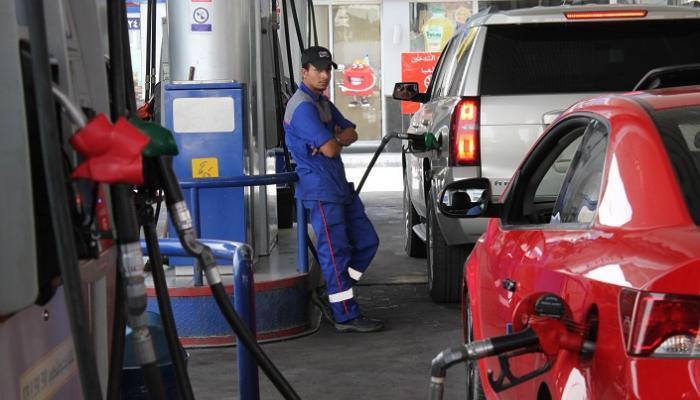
{"points": [[546, 329]]}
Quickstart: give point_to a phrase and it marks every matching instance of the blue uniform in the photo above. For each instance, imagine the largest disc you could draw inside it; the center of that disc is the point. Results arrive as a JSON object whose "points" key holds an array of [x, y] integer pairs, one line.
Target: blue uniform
{"points": [[346, 239]]}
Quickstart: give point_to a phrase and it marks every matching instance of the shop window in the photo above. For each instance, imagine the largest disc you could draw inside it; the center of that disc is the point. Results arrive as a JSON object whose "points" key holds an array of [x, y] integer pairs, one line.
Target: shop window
{"points": [[433, 24], [355, 36]]}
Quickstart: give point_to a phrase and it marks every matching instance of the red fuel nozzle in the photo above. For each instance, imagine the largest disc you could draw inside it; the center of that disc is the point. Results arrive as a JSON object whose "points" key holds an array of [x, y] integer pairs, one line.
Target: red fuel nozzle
{"points": [[112, 152]]}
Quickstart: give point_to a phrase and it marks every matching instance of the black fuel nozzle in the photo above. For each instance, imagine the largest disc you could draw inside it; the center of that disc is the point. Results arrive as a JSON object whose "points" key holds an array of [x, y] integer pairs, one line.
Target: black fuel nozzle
{"points": [[474, 351], [482, 348]]}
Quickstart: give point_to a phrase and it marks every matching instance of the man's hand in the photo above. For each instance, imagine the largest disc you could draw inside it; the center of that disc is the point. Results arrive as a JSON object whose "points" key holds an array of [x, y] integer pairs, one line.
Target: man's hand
{"points": [[332, 148], [346, 136]]}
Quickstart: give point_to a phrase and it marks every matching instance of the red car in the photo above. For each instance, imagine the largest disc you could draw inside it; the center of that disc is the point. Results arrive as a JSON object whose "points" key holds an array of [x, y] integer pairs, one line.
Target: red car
{"points": [[603, 213]]}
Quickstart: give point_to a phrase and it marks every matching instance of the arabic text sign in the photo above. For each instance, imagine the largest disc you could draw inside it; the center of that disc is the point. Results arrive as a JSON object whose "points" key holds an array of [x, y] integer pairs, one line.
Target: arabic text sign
{"points": [[417, 67]]}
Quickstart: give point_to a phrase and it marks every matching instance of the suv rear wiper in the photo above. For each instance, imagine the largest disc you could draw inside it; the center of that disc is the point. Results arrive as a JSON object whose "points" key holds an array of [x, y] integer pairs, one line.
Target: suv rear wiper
{"points": [[672, 76]]}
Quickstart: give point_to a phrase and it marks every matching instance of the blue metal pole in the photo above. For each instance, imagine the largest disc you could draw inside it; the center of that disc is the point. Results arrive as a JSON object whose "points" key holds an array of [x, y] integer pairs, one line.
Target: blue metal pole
{"points": [[194, 209], [244, 303], [302, 237]]}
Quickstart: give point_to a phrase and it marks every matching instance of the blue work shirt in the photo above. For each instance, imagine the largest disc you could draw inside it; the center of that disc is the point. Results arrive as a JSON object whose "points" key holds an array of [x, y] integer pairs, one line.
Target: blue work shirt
{"points": [[309, 122]]}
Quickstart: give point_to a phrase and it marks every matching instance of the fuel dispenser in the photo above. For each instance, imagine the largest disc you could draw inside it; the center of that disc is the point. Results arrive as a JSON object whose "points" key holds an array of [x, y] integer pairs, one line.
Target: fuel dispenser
{"points": [[70, 331]]}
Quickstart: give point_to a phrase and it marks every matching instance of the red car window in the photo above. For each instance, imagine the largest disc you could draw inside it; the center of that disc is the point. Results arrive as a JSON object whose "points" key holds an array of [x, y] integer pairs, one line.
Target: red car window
{"points": [[578, 198], [680, 131]]}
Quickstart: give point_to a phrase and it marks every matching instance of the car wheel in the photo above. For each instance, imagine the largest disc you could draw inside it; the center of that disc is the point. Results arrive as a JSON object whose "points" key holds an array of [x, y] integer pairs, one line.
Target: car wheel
{"points": [[413, 244], [445, 263], [474, 389]]}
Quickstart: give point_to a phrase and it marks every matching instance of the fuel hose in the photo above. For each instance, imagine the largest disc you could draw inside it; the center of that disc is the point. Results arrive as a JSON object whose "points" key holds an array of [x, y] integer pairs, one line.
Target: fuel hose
{"points": [[131, 259], [288, 45], [182, 221], [184, 385]]}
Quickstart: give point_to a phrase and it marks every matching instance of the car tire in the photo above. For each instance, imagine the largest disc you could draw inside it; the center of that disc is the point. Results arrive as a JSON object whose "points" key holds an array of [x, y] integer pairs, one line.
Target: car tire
{"points": [[475, 390], [413, 244], [445, 263]]}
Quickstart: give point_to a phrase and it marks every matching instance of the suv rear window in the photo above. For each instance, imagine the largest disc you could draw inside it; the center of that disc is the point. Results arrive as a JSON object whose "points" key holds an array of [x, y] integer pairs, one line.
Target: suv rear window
{"points": [[583, 56]]}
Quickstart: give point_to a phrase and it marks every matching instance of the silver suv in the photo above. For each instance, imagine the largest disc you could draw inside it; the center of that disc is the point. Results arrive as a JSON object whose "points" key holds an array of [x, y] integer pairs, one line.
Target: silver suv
{"points": [[498, 83]]}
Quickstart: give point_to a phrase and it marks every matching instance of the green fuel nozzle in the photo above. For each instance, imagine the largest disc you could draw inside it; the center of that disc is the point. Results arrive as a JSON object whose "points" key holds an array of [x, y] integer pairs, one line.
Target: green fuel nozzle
{"points": [[162, 140], [431, 142]]}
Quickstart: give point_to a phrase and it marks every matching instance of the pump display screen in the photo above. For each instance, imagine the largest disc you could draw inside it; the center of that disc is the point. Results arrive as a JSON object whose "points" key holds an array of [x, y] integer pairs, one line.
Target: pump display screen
{"points": [[204, 115]]}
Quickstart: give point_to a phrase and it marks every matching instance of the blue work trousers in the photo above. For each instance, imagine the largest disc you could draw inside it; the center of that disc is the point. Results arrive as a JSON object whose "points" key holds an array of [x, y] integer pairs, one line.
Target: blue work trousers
{"points": [[346, 244]]}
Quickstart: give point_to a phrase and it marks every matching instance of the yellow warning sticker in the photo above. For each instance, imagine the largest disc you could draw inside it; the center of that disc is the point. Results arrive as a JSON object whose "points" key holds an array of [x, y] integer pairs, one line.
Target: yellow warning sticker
{"points": [[205, 167]]}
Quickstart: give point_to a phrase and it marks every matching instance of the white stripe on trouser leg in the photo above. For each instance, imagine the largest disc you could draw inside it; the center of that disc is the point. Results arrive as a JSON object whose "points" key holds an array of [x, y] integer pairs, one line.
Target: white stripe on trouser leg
{"points": [[341, 296], [354, 274]]}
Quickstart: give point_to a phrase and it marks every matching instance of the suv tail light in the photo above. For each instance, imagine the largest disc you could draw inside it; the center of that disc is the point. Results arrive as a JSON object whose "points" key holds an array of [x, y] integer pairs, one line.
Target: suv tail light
{"points": [[464, 133], [660, 325]]}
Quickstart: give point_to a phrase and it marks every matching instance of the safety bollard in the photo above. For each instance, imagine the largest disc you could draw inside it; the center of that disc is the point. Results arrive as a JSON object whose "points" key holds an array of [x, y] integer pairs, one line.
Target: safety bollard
{"points": [[244, 303]]}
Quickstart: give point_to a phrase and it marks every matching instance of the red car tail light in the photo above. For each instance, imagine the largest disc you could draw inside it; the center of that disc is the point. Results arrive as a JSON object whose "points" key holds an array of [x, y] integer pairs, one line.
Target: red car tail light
{"points": [[660, 325], [464, 132], [606, 14]]}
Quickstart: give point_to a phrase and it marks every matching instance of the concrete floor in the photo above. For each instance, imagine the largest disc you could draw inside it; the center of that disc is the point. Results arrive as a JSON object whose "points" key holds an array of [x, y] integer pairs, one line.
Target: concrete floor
{"points": [[393, 364]]}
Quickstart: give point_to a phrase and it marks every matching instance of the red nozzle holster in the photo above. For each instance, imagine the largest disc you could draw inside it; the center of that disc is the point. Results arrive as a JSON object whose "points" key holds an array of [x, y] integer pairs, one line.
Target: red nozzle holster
{"points": [[112, 152]]}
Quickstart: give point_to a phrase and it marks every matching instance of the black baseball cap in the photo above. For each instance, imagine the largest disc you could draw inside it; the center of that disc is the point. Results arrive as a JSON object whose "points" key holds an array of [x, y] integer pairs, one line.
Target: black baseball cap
{"points": [[317, 56]]}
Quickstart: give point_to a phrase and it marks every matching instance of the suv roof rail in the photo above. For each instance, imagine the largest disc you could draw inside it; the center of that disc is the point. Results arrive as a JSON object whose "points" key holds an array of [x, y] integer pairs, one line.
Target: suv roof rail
{"points": [[671, 76]]}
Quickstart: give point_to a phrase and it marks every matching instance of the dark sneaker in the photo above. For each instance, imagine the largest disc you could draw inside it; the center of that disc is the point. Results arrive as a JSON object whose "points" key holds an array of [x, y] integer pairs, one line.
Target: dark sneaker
{"points": [[360, 324], [320, 299]]}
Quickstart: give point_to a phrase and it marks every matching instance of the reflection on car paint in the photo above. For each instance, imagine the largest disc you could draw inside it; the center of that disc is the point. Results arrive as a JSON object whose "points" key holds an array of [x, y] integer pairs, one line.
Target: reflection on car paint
{"points": [[615, 209]]}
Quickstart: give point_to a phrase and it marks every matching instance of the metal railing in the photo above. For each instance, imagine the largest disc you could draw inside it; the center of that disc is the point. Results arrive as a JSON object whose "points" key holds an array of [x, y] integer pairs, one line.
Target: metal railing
{"points": [[241, 256], [244, 181]]}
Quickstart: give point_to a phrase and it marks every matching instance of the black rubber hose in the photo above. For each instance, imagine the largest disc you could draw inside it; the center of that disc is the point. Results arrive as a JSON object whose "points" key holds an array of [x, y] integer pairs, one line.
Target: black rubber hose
{"points": [[244, 334], [154, 29], [377, 152], [128, 75], [279, 109], [308, 21], [125, 214], [184, 385], [313, 18], [57, 197], [150, 45], [128, 232], [439, 366], [116, 360], [297, 27], [151, 373], [288, 45], [116, 61], [520, 340], [171, 187]]}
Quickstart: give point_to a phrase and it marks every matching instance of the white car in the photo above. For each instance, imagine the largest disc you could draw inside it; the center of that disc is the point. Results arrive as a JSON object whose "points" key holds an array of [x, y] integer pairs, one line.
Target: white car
{"points": [[498, 83]]}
